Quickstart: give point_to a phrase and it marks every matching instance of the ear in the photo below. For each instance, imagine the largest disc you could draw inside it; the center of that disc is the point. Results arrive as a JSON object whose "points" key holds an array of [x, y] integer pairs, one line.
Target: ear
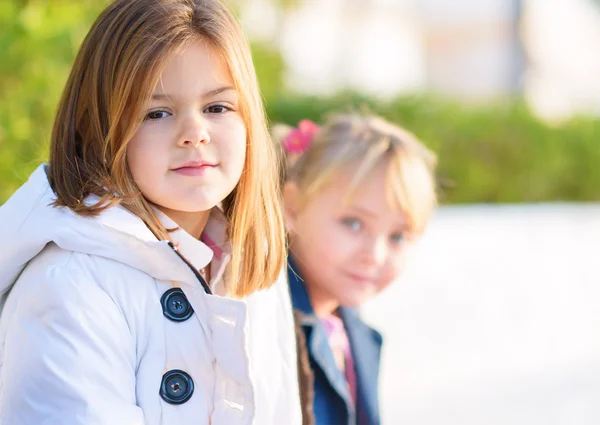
{"points": [[291, 198]]}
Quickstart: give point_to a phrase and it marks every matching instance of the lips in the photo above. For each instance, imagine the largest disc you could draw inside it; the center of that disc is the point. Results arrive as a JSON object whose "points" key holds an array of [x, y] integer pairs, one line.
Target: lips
{"points": [[361, 279], [194, 168]]}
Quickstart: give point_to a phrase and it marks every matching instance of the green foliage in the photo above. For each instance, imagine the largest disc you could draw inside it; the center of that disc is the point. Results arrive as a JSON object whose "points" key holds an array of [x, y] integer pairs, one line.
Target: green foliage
{"points": [[38, 42], [489, 153], [269, 69]]}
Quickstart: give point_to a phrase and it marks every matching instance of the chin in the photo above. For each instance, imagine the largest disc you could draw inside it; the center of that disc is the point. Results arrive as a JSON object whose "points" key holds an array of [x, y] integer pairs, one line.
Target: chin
{"points": [[353, 302], [201, 204], [194, 203]]}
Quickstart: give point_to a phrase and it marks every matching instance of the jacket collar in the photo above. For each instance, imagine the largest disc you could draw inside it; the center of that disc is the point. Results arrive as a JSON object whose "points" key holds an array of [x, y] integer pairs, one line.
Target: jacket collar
{"points": [[316, 336], [30, 222], [366, 349], [300, 300]]}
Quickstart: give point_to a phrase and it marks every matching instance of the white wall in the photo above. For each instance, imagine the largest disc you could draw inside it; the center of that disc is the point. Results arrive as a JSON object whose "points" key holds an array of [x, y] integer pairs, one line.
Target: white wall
{"points": [[467, 48], [373, 46], [562, 40], [496, 321], [472, 47]]}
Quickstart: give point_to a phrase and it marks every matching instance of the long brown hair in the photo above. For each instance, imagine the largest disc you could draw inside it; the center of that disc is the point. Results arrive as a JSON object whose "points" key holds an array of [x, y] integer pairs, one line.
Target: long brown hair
{"points": [[110, 84]]}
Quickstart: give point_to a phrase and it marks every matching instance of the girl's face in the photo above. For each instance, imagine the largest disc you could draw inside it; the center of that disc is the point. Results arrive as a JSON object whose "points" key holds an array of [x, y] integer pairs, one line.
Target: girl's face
{"points": [[346, 251], [189, 152]]}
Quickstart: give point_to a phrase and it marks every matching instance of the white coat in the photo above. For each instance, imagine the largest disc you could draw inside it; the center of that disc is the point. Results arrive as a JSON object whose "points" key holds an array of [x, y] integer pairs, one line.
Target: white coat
{"points": [[85, 337]]}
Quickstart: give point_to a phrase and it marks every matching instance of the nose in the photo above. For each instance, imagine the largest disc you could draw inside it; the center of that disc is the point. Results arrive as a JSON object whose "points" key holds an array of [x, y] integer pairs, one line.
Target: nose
{"points": [[375, 251], [194, 131]]}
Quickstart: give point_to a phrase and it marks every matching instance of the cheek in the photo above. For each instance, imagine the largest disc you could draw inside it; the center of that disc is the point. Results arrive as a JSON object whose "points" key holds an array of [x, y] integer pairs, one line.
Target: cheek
{"points": [[337, 246], [311, 235], [232, 147], [135, 159], [393, 270], [143, 159]]}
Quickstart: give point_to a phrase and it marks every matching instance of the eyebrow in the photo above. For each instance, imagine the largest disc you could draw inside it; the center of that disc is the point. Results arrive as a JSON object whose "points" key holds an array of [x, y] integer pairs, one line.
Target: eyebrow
{"points": [[210, 93], [371, 214], [363, 211]]}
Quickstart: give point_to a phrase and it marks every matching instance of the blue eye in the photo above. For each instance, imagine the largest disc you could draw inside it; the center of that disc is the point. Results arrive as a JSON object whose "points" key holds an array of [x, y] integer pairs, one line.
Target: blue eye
{"points": [[397, 238], [217, 109], [353, 224], [156, 115]]}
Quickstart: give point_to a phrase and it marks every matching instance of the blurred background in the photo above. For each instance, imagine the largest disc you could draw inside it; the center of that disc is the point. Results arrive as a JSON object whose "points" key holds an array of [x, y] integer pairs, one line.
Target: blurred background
{"points": [[497, 318]]}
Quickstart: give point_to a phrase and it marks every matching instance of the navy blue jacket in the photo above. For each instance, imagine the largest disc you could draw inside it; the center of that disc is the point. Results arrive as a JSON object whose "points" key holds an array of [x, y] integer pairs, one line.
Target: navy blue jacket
{"points": [[332, 401]]}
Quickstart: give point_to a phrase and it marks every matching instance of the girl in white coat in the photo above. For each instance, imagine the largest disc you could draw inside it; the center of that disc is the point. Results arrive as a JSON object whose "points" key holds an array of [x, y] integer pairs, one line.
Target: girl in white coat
{"points": [[140, 270]]}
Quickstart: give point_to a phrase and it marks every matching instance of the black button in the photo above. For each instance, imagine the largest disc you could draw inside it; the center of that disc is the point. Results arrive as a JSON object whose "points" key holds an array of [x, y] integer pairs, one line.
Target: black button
{"points": [[175, 305], [176, 387]]}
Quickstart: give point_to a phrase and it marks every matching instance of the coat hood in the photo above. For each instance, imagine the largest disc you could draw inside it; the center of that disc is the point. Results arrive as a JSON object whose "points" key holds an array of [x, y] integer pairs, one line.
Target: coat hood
{"points": [[29, 222]]}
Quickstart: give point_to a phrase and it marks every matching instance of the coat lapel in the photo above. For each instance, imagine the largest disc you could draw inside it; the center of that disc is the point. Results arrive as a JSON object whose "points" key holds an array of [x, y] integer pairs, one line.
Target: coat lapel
{"points": [[366, 351], [316, 336]]}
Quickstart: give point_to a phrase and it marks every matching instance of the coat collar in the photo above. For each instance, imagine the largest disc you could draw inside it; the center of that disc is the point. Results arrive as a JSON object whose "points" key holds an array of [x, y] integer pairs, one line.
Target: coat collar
{"points": [[366, 349], [115, 233], [316, 336], [300, 300]]}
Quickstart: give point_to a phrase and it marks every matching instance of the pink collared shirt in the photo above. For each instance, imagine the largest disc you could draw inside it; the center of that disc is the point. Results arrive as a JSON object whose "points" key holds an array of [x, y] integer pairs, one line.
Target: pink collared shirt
{"points": [[342, 352]]}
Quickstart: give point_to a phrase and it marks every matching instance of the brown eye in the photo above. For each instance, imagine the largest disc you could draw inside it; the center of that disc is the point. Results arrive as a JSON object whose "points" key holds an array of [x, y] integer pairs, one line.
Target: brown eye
{"points": [[217, 109], [156, 115]]}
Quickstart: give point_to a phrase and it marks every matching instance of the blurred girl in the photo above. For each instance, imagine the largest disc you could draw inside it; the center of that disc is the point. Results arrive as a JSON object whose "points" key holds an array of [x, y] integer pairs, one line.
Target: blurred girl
{"points": [[358, 192]]}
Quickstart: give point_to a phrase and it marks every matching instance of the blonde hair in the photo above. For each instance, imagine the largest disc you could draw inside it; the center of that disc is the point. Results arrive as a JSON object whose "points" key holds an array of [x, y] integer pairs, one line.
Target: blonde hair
{"points": [[110, 84], [366, 142]]}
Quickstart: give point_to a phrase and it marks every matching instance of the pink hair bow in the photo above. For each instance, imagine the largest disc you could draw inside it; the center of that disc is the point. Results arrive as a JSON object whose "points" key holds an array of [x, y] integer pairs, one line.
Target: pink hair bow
{"points": [[300, 139]]}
